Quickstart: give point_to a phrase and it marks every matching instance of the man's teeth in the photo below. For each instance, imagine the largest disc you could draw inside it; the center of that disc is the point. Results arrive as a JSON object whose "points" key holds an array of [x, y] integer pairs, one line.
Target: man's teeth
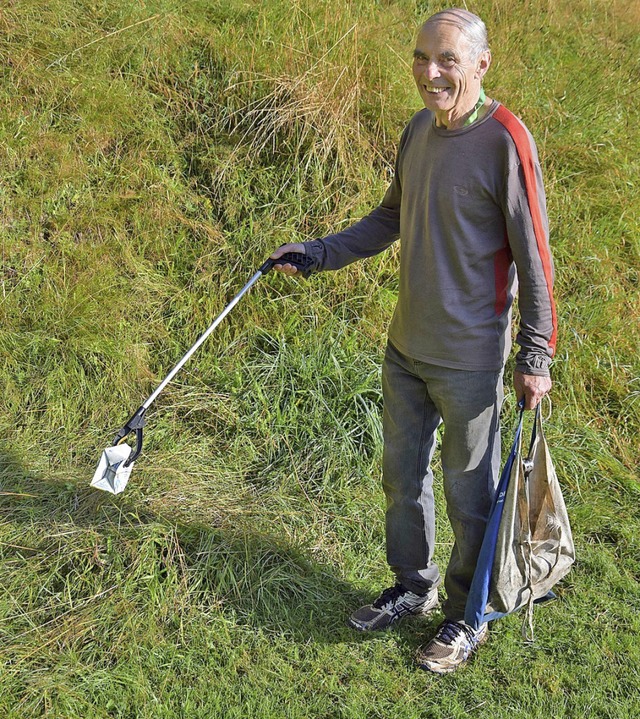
{"points": [[435, 89]]}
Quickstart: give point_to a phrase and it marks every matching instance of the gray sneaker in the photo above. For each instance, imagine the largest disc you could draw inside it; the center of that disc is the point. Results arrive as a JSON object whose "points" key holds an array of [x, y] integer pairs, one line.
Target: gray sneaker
{"points": [[452, 645], [393, 604]]}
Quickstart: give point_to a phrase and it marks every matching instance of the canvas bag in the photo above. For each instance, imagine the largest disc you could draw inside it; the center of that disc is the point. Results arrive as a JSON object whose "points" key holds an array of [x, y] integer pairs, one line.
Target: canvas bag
{"points": [[528, 545]]}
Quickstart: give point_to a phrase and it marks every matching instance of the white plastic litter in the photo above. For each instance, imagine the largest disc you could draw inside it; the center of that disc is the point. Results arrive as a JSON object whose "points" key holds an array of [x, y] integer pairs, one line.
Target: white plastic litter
{"points": [[111, 474]]}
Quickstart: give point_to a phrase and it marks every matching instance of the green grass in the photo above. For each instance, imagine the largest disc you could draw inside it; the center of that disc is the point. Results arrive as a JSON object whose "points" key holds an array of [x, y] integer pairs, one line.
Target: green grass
{"points": [[154, 153]]}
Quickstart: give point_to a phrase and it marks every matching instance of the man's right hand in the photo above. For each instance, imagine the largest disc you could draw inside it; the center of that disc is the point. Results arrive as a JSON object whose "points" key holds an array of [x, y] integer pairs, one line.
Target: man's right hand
{"points": [[291, 247], [530, 388]]}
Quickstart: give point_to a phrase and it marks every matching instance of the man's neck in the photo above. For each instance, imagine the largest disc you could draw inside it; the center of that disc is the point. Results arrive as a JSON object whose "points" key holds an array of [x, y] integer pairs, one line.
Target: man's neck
{"points": [[450, 119]]}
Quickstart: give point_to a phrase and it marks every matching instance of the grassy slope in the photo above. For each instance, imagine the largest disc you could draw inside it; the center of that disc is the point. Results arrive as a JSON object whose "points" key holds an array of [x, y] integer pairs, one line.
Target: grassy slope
{"points": [[153, 154]]}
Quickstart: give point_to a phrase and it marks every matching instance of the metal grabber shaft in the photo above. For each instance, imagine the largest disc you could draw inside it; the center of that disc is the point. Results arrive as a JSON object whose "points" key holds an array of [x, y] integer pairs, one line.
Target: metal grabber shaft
{"points": [[136, 422]]}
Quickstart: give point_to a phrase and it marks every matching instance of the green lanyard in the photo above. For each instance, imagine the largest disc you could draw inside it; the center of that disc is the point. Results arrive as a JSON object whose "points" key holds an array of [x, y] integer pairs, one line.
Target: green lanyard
{"points": [[474, 115]]}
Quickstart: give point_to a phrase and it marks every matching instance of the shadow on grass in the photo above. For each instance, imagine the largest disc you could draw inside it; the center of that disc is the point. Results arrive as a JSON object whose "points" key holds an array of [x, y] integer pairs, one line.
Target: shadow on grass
{"points": [[83, 540]]}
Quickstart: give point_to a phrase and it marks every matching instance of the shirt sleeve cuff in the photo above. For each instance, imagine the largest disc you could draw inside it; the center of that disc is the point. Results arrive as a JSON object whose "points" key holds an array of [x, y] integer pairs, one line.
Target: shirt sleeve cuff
{"points": [[316, 251], [533, 364]]}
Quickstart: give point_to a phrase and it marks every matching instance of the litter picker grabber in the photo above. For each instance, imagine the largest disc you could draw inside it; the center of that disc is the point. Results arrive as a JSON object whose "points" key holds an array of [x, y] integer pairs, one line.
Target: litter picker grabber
{"points": [[116, 462]]}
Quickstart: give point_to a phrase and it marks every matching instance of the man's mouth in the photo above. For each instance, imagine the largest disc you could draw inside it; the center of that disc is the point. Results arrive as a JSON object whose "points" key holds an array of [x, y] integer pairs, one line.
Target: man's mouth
{"points": [[434, 89]]}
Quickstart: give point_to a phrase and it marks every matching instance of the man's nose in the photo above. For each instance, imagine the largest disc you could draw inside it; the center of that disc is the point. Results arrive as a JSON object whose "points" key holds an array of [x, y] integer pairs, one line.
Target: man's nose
{"points": [[432, 70], [429, 70]]}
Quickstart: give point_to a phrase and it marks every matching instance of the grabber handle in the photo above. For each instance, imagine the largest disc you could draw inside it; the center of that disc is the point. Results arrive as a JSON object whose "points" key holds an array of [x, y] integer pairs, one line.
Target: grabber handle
{"points": [[299, 260], [135, 424]]}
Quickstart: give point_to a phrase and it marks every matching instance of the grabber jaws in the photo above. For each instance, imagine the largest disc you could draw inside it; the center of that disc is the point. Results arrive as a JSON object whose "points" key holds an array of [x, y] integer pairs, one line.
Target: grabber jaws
{"points": [[135, 424]]}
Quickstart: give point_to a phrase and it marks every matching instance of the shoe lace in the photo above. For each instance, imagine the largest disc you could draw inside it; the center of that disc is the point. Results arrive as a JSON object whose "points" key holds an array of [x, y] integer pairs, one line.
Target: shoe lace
{"points": [[389, 596], [450, 631]]}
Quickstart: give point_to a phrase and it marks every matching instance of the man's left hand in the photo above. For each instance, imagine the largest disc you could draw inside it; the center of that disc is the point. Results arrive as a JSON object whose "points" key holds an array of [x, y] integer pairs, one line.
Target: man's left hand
{"points": [[531, 387]]}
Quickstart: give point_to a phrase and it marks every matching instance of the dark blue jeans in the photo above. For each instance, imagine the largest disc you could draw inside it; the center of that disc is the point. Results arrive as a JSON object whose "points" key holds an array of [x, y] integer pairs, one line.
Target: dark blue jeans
{"points": [[417, 398]]}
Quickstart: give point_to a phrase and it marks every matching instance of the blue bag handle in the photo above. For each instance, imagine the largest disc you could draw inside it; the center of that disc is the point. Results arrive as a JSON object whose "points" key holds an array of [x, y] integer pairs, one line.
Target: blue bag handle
{"points": [[475, 614]]}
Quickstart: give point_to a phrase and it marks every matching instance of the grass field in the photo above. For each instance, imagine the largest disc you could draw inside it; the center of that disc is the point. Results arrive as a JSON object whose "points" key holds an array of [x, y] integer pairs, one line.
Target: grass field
{"points": [[153, 155]]}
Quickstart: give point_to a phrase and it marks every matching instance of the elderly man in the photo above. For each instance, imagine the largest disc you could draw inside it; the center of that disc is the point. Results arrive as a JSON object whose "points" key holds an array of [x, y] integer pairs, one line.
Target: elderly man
{"points": [[468, 205]]}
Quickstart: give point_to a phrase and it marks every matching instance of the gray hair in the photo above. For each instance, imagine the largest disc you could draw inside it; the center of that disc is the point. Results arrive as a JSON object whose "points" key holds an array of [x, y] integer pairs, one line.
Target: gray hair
{"points": [[471, 26]]}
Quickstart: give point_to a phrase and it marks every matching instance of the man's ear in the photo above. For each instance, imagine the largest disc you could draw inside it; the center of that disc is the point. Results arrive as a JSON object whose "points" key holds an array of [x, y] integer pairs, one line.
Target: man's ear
{"points": [[484, 62]]}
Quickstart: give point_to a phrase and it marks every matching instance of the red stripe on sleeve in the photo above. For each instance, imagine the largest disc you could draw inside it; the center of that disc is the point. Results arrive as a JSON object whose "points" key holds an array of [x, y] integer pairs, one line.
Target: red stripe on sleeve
{"points": [[519, 135], [501, 263]]}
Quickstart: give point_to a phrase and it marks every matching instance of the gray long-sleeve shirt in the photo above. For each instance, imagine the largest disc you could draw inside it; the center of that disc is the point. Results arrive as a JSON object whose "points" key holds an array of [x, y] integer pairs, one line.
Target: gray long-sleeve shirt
{"points": [[469, 208]]}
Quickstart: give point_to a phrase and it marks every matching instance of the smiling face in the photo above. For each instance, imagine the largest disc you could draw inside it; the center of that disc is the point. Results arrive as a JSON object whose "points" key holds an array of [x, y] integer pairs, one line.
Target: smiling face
{"points": [[447, 74]]}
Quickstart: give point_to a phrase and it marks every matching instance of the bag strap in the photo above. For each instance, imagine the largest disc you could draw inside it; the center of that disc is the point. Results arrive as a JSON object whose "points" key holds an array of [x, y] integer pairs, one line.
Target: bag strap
{"points": [[535, 431], [515, 449], [518, 433]]}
